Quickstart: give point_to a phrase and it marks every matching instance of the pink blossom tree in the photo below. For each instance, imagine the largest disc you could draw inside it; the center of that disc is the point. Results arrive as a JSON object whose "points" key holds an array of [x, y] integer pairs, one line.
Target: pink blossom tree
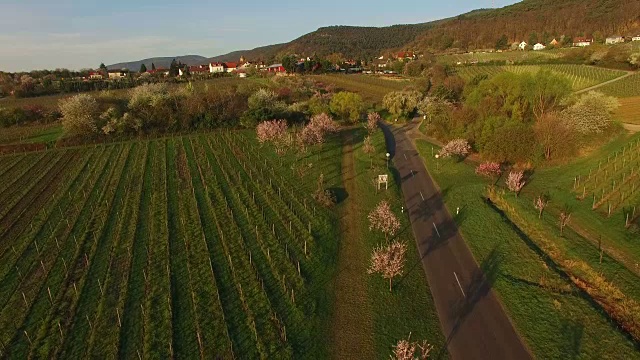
{"points": [[489, 169], [388, 261], [384, 220], [373, 119], [459, 148], [515, 182], [406, 350], [274, 131], [315, 131]]}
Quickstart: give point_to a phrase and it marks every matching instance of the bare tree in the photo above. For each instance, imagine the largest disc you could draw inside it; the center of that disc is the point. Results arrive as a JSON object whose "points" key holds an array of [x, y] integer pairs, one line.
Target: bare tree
{"points": [[383, 219], [368, 148], [540, 203], [565, 216], [372, 122], [324, 196], [388, 261], [406, 350]]}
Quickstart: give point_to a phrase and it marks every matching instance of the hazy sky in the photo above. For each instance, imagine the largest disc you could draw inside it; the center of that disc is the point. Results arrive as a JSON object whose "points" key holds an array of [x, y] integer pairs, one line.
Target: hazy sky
{"points": [[38, 34]]}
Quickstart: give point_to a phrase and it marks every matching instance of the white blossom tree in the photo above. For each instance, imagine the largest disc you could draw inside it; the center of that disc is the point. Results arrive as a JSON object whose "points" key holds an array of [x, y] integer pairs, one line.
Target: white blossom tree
{"points": [[591, 113], [384, 220], [388, 261], [456, 147], [515, 181], [80, 114]]}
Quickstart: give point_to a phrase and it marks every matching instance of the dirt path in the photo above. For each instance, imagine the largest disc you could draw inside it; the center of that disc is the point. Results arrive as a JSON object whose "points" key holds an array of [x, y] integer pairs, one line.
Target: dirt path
{"points": [[634, 128], [604, 83], [352, 322]]}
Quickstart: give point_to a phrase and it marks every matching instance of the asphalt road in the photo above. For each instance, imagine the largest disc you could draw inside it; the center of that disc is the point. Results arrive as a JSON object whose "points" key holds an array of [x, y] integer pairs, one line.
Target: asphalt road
{"points": [[472, 318]]}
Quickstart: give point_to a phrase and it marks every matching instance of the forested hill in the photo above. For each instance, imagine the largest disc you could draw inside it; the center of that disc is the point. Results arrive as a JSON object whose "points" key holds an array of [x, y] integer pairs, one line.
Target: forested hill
{"points": [[547, 19]]}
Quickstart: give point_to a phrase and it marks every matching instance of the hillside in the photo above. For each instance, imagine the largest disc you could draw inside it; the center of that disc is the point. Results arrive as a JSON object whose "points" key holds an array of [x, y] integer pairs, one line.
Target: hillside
{"points": [[159, 62], [546, 18]]}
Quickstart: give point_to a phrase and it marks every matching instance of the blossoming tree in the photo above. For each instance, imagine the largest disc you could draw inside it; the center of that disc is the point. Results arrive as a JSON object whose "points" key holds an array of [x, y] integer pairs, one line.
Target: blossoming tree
{"points": [[384, 220], [388, 261]]}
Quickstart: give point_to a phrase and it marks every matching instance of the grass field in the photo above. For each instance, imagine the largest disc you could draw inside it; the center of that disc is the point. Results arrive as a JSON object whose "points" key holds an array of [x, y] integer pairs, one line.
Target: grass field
{"points": [[371, 88], [625, 88], [557, 320], [31, 133], [164, 248], [629, 110], [580, 76]]}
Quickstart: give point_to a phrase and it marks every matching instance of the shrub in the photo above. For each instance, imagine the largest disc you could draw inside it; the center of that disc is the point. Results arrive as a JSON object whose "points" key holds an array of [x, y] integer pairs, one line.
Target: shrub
{"points": [[458, 147], [591, 113], [489, 169], [80, 114]]}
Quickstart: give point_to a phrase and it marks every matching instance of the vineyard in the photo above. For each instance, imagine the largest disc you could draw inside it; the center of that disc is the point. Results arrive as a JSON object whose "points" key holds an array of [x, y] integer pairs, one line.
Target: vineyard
{"points": [[629, 110], [614, 184], [501, 56], [167, 248], [372, 88], [579, 76], [627, 87]]}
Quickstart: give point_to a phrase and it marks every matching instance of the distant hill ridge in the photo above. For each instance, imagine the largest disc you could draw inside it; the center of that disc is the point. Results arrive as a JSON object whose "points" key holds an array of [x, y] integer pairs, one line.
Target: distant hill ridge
{"points": [[474, 30]]}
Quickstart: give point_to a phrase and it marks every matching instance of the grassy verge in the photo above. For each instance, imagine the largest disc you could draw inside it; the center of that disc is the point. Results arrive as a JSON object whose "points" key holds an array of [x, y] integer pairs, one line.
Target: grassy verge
{"points": [[409, 308], [555, 319]]}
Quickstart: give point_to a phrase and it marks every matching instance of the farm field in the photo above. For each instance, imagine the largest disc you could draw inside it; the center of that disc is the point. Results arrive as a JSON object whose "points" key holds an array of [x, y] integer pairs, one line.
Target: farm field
{"points": [[554, 316], [165, 248], [371, 88], [629, 110], [580, 76], [625, 88], [31, 133]]}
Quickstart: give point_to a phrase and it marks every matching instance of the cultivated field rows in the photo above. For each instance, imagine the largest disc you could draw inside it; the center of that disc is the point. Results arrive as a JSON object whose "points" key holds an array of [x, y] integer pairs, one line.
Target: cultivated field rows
{"points": [[159, 249]]}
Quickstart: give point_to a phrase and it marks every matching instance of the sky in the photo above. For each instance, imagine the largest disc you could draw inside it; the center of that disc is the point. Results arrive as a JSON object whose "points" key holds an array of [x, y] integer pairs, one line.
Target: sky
{"points": [[48, 34]]}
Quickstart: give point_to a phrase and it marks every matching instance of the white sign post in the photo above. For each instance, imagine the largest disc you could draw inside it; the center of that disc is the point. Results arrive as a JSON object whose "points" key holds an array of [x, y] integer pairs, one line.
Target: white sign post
{"points": [[383, 179]]}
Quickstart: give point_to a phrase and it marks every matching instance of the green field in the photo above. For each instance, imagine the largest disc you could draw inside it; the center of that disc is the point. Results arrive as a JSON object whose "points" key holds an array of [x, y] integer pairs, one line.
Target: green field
{"points": [[556, 319], [579, 76], [31, 134], [164, 248], [370, 87]]}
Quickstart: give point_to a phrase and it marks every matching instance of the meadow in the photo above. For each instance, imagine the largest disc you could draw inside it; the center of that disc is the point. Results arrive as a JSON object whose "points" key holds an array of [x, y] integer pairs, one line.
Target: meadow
{"points": [[580, 76], [165, 248], [629, 110]]}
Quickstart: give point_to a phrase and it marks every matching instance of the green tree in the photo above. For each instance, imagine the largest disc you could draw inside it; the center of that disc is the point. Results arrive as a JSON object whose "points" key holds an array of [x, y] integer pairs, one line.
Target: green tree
{"points": [[143, 68], [103, 70], [153, 66], [289, 63], [533, 38], [402, 104], [502, 43], [173, 68], [347, 106]]}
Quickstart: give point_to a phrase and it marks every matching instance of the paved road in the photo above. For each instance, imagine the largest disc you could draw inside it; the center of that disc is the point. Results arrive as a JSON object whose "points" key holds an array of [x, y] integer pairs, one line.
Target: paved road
{"points": [[473, 320]]}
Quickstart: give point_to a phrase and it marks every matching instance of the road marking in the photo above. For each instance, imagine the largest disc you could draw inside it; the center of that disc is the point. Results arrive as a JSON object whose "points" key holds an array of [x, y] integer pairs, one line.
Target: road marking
{"points": [[405, 156], [421, 196], [438, 232], [456, 275], [412, 173]]}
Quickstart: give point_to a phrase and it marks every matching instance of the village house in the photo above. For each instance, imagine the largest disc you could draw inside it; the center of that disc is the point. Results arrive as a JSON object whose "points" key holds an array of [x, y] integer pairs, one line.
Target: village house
{"points": [[538, 47], [611, 40], [230, 66], [94, 75], [409, 55], [159, 70], [118, 74], [636, 38], [582, 41], [522, 45], [276, 68], [554, 42], [216, 68], [195, 70]]}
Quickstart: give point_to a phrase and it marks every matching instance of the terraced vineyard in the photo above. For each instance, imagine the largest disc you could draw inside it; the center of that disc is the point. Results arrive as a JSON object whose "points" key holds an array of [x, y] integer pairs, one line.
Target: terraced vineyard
{"points": [[201, 246], [580, 76]]}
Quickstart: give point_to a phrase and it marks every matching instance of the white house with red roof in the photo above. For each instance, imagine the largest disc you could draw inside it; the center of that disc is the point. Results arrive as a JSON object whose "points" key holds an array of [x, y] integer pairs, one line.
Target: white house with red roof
{"points": [[216, 68], [230, 66]]}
